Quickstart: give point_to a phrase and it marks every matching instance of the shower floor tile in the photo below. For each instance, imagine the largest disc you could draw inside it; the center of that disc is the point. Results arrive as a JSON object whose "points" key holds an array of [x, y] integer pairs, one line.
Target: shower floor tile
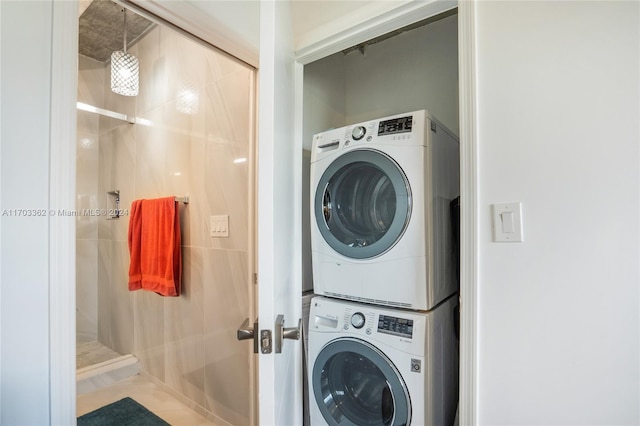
{"points": [[90, 353]]}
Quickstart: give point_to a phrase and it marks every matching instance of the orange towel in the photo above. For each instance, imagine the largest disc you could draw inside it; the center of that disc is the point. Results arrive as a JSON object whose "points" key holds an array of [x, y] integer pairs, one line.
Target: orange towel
{"points": [[154, 246]]}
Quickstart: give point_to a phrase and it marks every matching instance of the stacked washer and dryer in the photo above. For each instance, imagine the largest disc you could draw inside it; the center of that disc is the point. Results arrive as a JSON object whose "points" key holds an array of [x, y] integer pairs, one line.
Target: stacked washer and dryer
{"points": [[383, 348]]}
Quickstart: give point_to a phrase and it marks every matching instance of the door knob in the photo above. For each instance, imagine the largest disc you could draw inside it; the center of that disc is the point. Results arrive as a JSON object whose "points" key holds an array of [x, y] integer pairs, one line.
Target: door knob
{"points": [[282, 333], [245, 333]]}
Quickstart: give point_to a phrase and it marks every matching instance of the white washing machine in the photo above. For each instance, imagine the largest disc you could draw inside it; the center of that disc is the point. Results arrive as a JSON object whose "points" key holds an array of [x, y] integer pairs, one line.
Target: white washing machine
{"points": [[372, 365], [381, 222]]}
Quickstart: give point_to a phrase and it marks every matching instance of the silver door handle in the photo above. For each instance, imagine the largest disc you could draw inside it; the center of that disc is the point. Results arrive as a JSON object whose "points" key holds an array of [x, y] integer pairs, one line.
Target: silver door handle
{"points": [[245, 333], [282, 333]]}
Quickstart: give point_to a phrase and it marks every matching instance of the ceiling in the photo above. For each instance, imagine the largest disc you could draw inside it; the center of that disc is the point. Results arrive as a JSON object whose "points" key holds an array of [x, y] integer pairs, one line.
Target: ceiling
{"points": [[102, 29]]}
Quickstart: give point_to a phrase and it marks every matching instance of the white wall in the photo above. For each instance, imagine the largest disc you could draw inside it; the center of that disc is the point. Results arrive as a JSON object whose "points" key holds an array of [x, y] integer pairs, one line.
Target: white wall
{"points": [[558, 117], [413, 70], [230, 25], [240, 17], [25, 89], [315, 20], [325, 104]]}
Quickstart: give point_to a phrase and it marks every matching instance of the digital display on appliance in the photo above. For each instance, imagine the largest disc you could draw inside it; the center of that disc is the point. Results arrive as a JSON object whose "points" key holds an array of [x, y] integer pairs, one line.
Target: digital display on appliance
{"points": [[397, 326], [395, 125]]}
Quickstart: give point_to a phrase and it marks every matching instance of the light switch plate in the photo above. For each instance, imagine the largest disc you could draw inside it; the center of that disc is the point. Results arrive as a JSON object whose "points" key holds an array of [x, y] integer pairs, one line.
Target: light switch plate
{"points": [[219, 226], [507, 222]]}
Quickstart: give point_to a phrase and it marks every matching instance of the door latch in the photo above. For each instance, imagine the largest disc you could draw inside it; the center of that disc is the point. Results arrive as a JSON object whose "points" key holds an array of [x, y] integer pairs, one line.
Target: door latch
{"points": [[265, 341]]}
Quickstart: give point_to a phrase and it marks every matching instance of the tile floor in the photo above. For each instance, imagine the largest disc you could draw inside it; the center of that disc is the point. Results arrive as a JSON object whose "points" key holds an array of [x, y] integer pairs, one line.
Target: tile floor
{"points": [[91, 353], [138, 387], [147, 393]]}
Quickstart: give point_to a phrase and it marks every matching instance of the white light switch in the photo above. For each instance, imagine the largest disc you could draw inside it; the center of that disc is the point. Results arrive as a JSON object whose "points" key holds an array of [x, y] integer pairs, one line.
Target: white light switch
{"points": [[219, 226], [507, 222]]}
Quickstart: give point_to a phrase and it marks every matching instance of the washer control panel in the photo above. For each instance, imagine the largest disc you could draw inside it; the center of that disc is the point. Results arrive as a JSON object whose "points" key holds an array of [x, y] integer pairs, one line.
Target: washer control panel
{"points": [[400, 329]]}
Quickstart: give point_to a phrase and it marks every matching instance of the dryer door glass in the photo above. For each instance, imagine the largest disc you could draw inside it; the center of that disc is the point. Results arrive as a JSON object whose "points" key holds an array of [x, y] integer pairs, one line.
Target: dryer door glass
{"points": [[362, 204], [356, 384]]}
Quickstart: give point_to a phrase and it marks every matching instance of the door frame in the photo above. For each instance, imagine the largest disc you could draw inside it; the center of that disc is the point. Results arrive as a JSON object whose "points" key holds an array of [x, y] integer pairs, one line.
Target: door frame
{"points": [[62, 183], [62, 230]]}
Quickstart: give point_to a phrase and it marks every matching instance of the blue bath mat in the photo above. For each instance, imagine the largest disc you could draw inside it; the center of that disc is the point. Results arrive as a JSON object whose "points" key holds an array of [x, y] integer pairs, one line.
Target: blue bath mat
{"points": [[125, 412]]}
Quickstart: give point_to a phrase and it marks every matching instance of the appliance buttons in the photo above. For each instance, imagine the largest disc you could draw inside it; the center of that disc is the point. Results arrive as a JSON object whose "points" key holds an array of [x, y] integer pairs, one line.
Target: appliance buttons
{"points": [[357, 320], [358, 132]]}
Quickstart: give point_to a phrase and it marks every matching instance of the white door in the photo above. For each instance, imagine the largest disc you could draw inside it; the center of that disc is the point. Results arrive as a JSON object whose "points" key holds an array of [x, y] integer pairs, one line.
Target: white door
{"points": [[279, 219]]}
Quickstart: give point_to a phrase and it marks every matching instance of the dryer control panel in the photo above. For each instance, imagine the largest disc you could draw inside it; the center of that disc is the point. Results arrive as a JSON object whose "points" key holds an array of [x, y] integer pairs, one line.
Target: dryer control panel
{"points": [[406, 129], [395, 125]]}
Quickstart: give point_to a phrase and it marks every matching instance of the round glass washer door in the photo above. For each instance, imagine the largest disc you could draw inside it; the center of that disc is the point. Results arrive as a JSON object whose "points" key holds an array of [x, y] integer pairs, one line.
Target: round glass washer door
{"points": [[356, 384], [362, 204]]}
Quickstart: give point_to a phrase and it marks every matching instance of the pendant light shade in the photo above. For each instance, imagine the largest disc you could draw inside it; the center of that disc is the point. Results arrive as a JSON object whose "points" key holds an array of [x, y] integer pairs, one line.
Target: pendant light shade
{"points": [[124, 73], [124, 69]]}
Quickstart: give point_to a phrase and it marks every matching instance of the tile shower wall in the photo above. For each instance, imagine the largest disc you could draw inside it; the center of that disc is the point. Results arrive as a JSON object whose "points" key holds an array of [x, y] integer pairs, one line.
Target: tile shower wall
{"points": [[196, 106]]}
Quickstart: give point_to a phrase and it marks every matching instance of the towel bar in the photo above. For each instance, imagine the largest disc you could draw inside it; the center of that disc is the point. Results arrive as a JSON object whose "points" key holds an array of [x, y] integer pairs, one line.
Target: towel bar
{"points": [[184, 199]]}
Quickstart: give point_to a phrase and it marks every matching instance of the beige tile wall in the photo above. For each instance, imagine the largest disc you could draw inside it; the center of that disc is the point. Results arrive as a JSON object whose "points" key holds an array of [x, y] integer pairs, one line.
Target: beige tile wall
{"points": [[187, 342]]}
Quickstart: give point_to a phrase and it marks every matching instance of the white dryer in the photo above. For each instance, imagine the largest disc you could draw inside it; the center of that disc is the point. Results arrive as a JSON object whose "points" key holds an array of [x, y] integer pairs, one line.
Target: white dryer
{"points": [[381, 227], [371, 365]]}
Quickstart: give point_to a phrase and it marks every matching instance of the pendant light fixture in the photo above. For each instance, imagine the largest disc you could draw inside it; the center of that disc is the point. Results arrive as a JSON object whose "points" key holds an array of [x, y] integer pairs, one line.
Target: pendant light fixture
{"points": [[124, 68]]}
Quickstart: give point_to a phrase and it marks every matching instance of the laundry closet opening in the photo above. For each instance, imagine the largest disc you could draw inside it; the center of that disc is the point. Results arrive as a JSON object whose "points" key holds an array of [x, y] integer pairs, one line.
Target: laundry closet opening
{"points": [[411, 69]]}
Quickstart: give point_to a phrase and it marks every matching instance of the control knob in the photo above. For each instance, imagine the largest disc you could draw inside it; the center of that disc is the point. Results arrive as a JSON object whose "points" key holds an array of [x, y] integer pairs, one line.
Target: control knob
{"points": [[357, 320], [358, 133]]}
